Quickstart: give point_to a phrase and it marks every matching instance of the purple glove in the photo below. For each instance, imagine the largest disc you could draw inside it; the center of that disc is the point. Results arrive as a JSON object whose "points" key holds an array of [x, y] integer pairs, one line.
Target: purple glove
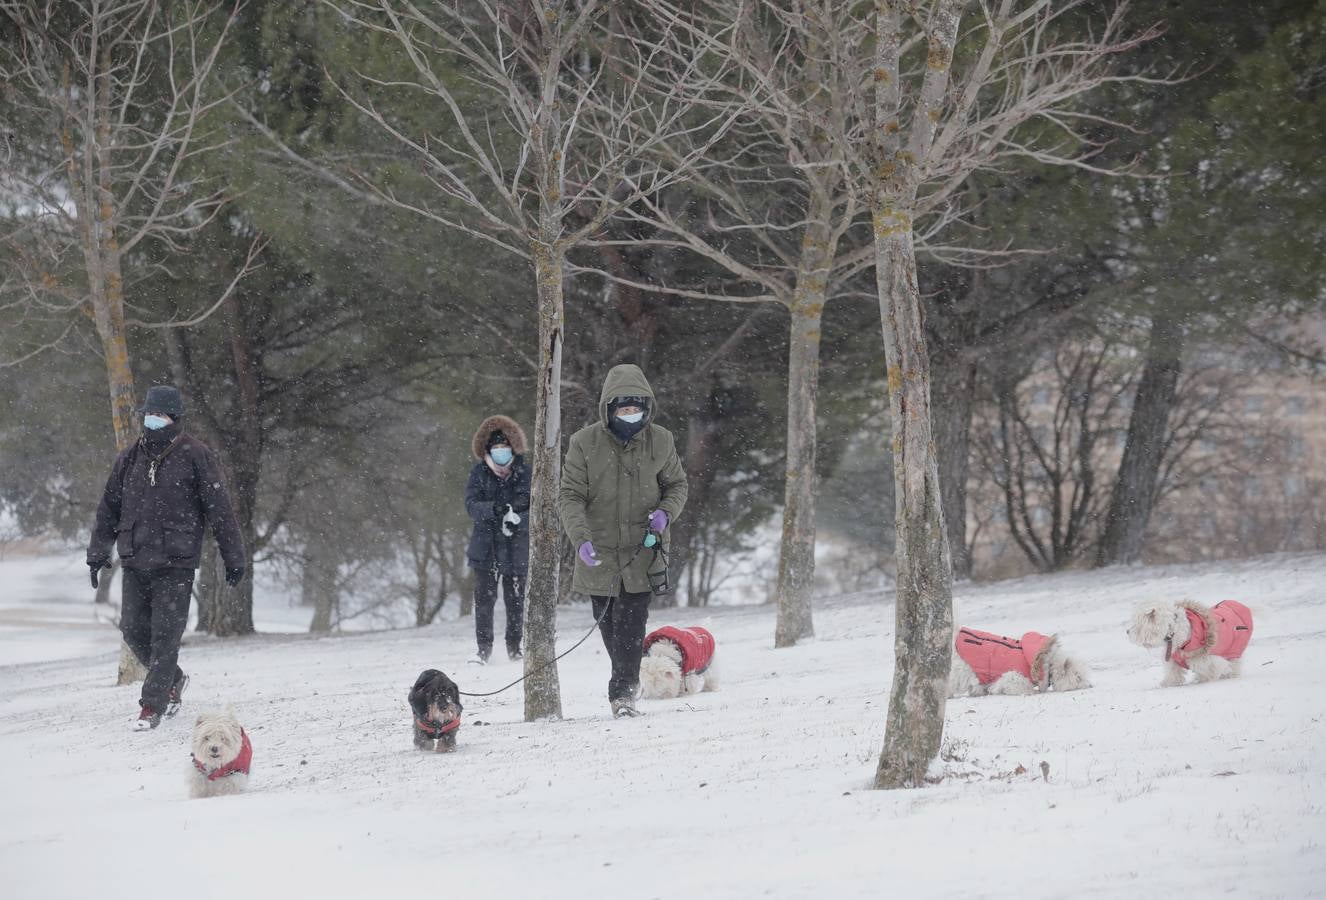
{"points": [[658, 521], [587, 555]]}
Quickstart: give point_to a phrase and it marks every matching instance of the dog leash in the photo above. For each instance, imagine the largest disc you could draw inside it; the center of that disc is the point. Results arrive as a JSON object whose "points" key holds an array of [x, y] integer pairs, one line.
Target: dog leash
{"points": [[583, 638]]}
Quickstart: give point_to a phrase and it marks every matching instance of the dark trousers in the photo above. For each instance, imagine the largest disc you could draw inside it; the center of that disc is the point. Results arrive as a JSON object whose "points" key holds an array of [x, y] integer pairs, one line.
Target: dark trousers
{"points": [[623, 630], [485, 599], [154, 608]]}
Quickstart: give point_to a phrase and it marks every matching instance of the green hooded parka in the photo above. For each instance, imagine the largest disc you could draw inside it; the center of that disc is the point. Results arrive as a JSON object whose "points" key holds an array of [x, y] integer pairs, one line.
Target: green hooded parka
{"points": [[609, 489]]}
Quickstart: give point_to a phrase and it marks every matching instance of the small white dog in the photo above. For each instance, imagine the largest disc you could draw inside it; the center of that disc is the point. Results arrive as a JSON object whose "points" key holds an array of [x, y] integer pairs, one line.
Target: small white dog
{"points": [[986, 663], [1208, 640], [678, 661], [222, 756]]}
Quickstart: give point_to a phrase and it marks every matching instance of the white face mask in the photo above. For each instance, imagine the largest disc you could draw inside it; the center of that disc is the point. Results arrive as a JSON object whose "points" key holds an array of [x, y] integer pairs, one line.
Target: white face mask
{"points": [[631, 418], [153, 423]]}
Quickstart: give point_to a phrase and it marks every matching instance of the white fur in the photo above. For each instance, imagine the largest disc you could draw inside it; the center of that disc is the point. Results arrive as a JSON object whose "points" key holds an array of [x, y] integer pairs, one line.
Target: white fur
{"points": [[216, 742], [661, 678], [1067, 673], [1153, 622]]}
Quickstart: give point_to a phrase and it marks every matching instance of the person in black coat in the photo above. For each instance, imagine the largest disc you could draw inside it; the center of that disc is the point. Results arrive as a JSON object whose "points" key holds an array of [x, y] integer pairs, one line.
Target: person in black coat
{"points": [[497, 499], [161, 492]]}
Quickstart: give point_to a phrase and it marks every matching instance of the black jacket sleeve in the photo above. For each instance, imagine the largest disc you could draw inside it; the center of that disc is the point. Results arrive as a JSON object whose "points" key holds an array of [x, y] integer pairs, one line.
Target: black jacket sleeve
{"points": [[217, 509], [479, 506], [520, 498], [108, 512]]}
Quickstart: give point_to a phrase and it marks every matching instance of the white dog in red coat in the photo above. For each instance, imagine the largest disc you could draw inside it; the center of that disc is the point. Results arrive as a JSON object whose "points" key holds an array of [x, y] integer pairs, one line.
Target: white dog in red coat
{"points": [[678, 661], [222, 756], [1209, 640], [987, 663]]}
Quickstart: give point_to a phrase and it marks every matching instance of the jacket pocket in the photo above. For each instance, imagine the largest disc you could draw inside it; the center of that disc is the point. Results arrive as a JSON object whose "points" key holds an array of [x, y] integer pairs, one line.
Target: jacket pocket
{"points": [[124, 539], [178, 543]]}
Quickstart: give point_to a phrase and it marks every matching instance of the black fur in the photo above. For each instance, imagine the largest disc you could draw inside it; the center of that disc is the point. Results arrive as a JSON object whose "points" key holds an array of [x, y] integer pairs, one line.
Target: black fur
{"points": [[434, 688]]}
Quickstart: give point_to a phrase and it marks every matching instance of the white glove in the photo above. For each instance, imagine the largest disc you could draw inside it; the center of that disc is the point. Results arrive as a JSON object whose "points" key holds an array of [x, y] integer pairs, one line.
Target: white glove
{"points": [[512, 518]]}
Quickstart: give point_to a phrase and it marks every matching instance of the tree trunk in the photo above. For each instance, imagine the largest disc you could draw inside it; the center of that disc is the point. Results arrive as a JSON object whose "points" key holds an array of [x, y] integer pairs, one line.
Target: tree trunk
{"points": [[698, 460], [317, 583], [104, 581], [953, 385], [1135, 487], [234, 608], [543, 697], [796, 560], [106, 288], [924, 611], [210, 583]]}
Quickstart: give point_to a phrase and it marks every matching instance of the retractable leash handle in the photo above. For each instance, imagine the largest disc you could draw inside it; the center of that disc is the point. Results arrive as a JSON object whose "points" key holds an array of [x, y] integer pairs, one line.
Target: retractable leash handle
{"points": [[658, 581]]}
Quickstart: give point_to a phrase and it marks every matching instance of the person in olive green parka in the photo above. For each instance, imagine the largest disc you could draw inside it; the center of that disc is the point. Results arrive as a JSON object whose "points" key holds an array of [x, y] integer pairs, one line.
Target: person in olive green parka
{"points": [[622, 479]]}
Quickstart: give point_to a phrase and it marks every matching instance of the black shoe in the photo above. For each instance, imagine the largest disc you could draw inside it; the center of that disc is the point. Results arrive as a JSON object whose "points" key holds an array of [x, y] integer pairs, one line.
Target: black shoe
{"points": [[480, 658], [147, 719], [176, 695], [513, 652]]}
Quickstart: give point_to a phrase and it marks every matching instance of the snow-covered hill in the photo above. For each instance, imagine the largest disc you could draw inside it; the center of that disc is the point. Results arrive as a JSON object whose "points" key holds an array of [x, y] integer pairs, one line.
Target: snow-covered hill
{"points": [[759, 790]]}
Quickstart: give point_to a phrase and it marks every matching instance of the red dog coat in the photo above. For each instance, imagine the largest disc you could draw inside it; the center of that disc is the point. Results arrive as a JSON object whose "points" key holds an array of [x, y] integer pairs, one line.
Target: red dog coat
{"points": [[1225, 632], [696, 645], [991, 655], [239, 764]]}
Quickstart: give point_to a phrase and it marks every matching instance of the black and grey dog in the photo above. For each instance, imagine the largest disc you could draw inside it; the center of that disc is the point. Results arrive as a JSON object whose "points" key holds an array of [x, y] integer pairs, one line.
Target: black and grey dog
{"points": [[435, 700]]}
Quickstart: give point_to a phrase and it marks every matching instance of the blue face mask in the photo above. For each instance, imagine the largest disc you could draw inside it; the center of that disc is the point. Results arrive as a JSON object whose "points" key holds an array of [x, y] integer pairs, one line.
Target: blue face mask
{"points": [[631, 418], [152, 423], [501, 455]]}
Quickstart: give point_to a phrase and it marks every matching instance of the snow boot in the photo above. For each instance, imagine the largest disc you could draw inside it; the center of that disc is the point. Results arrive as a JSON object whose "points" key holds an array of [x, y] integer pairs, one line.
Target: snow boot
{"points": [[147, 719], [625, 708], [513, 652], [176, 695], [480, 657]]}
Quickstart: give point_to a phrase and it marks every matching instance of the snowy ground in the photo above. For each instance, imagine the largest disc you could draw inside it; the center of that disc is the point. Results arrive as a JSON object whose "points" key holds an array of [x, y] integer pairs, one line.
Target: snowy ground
{"points": [[756, 791]]}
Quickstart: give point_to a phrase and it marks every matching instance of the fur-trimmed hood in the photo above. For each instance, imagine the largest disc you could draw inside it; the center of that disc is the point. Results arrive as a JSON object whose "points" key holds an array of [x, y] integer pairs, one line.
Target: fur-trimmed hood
{"points": [[505, 424], [1222, 630]]}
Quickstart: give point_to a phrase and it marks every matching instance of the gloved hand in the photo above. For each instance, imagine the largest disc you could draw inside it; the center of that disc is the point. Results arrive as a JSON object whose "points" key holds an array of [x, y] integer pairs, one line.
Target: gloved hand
{"points": [[96, 566], [499, 507], [587, 555], [234, 576], [510, 521], [658, 521]]}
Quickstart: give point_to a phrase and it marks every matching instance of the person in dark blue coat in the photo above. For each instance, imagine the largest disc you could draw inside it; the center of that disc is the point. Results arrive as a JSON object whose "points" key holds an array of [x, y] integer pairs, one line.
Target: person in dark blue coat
{"points": [[497, 499]]}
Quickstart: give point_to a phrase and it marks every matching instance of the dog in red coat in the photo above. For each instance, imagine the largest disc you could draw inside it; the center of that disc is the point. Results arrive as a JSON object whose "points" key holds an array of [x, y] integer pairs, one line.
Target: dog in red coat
{"points": [[222, 756], [1209, 640], [678, 661], [987, 663]]}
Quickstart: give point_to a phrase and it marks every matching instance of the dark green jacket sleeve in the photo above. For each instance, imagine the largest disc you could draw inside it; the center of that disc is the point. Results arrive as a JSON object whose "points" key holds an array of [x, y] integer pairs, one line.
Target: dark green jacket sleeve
{"points": [[672, 484], [573, 495]]}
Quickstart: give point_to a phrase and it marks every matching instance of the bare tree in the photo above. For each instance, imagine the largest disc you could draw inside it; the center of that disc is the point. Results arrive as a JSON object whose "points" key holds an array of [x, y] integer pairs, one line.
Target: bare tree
{"points": [[924, 119], [112, 98], [1135, 488], [1051, 435], [1051, 438], [772, 212], [553, 147]]}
